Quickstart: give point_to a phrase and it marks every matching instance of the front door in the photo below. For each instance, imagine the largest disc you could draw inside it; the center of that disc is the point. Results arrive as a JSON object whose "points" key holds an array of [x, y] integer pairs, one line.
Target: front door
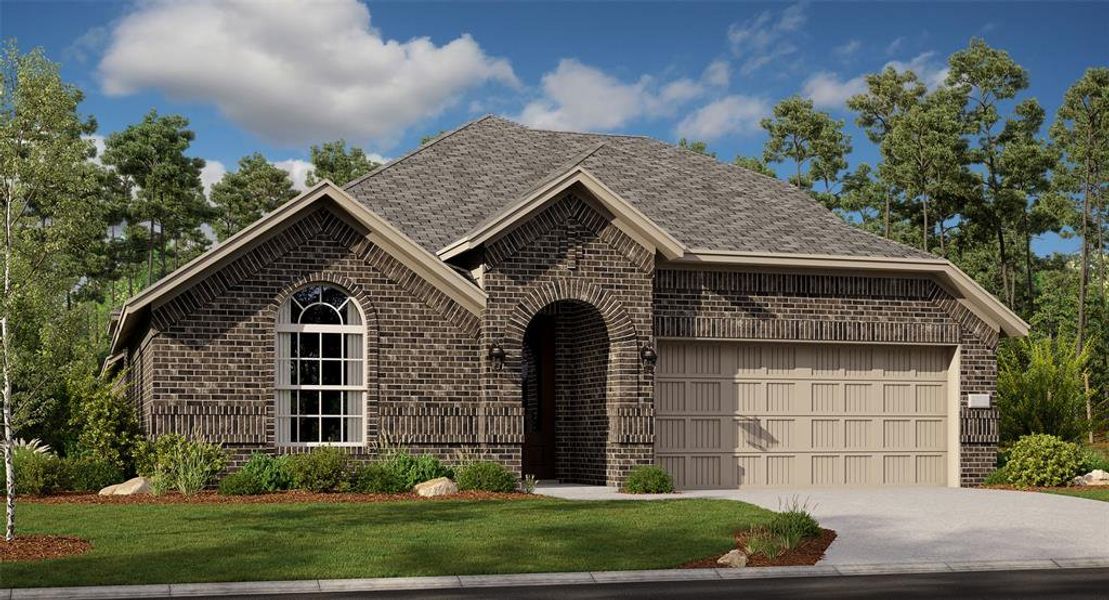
{"points": [[539, 400]]}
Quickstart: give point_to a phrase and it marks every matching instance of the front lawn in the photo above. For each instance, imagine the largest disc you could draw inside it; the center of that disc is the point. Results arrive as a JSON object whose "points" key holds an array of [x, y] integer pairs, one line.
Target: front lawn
{"points": [[168, 543], [1090, 493]]}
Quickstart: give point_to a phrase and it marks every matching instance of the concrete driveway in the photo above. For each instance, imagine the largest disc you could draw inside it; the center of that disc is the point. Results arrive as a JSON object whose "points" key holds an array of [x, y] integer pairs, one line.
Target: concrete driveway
{"points": [[926, 524]]}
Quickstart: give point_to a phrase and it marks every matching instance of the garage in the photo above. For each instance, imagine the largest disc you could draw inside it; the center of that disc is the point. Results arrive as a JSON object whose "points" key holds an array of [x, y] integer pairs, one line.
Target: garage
{"points": [[763, 415]]}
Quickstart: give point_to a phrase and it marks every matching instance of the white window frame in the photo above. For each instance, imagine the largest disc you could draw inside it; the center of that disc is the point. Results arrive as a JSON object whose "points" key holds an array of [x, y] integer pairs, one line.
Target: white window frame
{"points": [[283, 363]]}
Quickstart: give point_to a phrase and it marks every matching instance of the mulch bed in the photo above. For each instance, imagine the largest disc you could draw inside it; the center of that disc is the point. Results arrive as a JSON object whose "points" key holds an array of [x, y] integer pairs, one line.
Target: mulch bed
{"points": [[42, 547], [211, 497], [807, 553]]}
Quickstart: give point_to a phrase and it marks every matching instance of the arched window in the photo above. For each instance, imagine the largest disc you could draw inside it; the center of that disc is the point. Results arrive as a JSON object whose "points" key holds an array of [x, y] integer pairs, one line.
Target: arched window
{"points": [[320, 383]]}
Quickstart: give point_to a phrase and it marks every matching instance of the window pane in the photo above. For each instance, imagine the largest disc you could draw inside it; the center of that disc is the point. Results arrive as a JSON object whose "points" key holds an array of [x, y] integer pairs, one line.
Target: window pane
{"points": [[332, 401], [332, 345], [350, 311], [308, 295], [286, 403], [309, 372], [332, 430], [354, 372], [334, 297], [353, 402], [320, 314], [309, 429], [309, 345], [332, 372], [354, 345], [284, 436], [309, 403], [354, 429]]}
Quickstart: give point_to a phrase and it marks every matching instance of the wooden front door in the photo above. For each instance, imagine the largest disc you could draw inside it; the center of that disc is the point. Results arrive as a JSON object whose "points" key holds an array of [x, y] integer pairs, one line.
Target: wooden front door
{"points": [[539, 400]]}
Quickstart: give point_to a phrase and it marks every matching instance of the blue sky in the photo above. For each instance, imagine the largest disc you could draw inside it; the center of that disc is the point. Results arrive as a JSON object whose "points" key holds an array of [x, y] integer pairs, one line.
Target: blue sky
{"points": [[276, 77]]}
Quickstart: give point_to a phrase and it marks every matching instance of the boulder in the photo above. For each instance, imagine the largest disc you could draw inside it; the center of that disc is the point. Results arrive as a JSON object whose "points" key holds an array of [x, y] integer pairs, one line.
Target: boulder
{"points": [[735, 559], [436, 487], [131, 487], [1095, 477]]}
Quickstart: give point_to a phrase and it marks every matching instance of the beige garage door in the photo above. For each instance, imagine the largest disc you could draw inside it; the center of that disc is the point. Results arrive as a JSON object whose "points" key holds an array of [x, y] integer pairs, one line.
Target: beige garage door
{"points": [[739, 414]]}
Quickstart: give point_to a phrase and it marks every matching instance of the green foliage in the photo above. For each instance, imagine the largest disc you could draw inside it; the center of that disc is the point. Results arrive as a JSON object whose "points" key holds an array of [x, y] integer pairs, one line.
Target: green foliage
{"points": [[381, 477], [698, 147], [798, 132], [795, 522], [175, 462], [1041, 389], [646, 479], [323, 469], [999, 476], [764, 543], [754, 163], [89, 473], [241, 483], [416, 468], [271, 473], [485, 476], [334, 161], [1043, 460], [242, 196], [106, 423], [38, 473], [1093, 459]]}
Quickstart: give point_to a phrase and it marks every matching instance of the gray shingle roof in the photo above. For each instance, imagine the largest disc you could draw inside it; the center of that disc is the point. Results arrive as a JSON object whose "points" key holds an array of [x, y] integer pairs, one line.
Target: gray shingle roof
{"points": [[443, 190]]}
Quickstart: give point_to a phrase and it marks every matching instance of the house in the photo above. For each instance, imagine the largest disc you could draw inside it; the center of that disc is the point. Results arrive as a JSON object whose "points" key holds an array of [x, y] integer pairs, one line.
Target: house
{"points": [[573, 305]]}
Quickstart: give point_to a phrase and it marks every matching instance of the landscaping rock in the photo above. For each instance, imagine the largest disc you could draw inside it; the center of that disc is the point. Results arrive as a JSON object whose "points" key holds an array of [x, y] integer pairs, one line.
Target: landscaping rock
{"points": [[1095, 477], [436, 487], [735, 559], [131, 487]]}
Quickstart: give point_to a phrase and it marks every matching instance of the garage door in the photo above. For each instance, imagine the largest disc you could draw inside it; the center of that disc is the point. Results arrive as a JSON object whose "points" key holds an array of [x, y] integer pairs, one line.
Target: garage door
{"points": [[737, 414]]}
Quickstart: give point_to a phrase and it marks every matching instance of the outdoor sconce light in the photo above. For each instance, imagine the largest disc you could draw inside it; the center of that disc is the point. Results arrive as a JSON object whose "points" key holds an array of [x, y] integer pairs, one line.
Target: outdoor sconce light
{"points": [[496, 355], [649, 356]]}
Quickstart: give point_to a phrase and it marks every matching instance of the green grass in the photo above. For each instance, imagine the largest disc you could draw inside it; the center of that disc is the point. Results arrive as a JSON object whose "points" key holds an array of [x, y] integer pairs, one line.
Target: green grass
{"points": [[1091, 493], [238, 542]]}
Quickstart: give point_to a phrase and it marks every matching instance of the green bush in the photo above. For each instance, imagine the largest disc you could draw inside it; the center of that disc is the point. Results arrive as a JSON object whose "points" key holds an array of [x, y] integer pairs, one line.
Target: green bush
{"points": [[88, 473], [485, 476], [324, 469], [416, 468], [794, 526], [1043, 460], [380, 477], [648, 480], [998, 477], [271, 473], [107, 426], [175, 462], [38, 474], [1093, 459], [1041, 389], [764, 543], [240, 483]]}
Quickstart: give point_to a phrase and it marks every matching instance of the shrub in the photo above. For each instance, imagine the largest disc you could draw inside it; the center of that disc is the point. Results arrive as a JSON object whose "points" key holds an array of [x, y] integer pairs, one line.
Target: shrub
{"points": [[486, 476], [324, 469], [381, 477], [998, 477], [175, 462], [648, 480], [88, 473], [1042, 460], [271, 473], [107, 426], [1093, 459], [416, 468], [763, 542], [794, 524], [1041, 389], [37, 473], [240, 483]]}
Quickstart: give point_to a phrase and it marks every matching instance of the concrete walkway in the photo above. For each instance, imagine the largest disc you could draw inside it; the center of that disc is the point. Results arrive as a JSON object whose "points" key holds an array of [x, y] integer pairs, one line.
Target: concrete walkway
{"points": [[925, 525]]}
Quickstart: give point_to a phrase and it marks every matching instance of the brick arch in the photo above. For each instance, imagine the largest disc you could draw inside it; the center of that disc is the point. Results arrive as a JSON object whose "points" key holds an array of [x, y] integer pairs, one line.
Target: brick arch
{"points": [[372, 335], [621, 329]]}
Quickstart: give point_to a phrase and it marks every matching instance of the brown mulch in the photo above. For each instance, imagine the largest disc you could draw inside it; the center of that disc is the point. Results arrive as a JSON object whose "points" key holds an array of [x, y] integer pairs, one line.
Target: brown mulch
{"points": [[211, 497], [42, 547], [807, 553]]}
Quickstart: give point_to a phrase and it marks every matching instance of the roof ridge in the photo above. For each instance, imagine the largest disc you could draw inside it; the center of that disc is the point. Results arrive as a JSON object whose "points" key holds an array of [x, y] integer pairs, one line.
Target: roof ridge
{"points": [[417, 150], [568, 132]]}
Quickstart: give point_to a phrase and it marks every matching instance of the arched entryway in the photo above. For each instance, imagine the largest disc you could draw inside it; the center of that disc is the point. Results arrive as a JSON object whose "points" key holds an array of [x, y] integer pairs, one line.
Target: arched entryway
{"points": [[565, 380]]}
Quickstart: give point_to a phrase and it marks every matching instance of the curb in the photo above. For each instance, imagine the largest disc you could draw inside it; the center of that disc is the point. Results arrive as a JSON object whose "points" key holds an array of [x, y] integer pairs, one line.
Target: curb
{"points": [[243, 588]]}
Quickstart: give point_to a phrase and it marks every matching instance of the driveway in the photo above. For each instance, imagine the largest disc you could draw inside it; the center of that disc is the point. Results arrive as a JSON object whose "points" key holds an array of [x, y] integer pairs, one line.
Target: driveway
{"points": [[926, 524]]}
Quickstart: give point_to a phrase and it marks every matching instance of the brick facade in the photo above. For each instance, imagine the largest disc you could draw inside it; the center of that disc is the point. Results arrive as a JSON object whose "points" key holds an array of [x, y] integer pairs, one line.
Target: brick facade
{"points": [[205, 366]]}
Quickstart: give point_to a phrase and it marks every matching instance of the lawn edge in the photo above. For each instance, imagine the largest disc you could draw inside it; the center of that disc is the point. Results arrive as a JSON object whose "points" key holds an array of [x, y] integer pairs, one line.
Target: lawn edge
{"points": [[180, 590]]}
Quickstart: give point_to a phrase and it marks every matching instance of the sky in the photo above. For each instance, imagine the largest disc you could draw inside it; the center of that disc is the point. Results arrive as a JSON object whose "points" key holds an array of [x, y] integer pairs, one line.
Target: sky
{"points": [[277, 76]]}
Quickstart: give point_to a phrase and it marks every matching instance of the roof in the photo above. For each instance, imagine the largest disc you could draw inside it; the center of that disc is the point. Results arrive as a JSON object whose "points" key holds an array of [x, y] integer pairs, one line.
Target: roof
{"points": [[448, 187]]}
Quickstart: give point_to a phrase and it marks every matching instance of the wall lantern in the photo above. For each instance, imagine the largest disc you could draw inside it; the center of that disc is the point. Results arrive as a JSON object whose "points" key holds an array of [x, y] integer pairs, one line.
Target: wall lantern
{"points": [[496, 356], [649, 356]]}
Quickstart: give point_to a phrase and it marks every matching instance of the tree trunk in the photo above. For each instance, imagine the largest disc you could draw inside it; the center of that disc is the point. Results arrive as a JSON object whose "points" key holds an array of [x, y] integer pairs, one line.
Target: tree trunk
{"points": [[1084, 276], [150, 254], [887, 216], [1089, 406], [1003, 255], [1030, 288], [924, 205], [5, 364]]}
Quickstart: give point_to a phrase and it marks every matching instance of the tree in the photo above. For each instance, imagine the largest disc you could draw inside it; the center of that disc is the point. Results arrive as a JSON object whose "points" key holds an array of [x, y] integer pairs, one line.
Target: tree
{"points": [[243, 196], [889, 94], [47, 220], [1041, 389], [804, 135], [754, 163], [170, 199], [695, 146], [334, 161]]}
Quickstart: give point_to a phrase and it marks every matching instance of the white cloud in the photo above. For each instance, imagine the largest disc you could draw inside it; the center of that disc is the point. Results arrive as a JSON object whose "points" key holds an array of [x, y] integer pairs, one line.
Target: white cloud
{"points": [[895, 46], [729, 115], [826, 90], [718, 73], [298, 171], [848, 49], [931, 72], [760, 40], [293, 73], [578, 96], [212, 172]]}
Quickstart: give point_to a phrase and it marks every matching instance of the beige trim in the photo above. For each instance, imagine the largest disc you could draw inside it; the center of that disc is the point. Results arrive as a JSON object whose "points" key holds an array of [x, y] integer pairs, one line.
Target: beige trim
{"points": [[959, 284], [954, 419], [380, 232], [625, 216]]}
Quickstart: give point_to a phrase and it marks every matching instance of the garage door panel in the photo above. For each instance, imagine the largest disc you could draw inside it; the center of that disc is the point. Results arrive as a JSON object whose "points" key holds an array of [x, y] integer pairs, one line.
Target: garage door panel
{"points": [[775, 415]]}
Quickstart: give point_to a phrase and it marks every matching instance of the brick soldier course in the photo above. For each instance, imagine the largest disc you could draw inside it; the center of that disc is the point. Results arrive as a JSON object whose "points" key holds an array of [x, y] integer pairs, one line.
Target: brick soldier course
{"points": [[631, 249]]}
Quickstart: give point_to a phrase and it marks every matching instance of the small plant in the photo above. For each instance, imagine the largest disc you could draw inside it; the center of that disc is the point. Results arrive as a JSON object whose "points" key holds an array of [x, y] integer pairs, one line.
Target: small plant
{"points": [[1043, 460], [34, 445], [762, 542], [38, 473], [380, 477], [416, 468], [794, 523], [1093, 459], [271, 473], [324, 469], [648, 480], [241, 483], [88, 473], [486, 476], [175, 462], [998, 477], [528, 483]]}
